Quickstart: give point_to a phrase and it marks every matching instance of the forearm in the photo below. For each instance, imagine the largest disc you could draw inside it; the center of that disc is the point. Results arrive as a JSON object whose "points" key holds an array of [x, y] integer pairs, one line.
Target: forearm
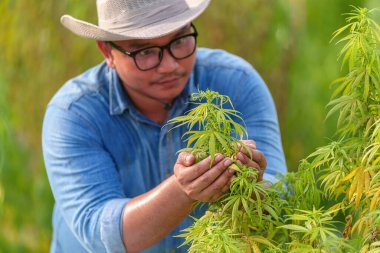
{"points": [[151, 216]]}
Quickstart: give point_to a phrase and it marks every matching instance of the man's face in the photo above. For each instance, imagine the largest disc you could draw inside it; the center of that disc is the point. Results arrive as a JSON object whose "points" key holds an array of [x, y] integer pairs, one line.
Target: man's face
{"points": [[164, 82]]}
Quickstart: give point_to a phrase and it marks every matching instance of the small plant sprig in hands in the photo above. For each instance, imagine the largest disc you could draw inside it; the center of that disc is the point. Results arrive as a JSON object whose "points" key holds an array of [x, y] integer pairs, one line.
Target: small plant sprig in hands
{"points": [[211, 126], [238, 221]]}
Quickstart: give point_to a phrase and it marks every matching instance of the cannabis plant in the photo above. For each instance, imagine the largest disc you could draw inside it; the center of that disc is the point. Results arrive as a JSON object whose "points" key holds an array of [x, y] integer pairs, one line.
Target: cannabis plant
{"points": [[346, 172], [332, 203]]}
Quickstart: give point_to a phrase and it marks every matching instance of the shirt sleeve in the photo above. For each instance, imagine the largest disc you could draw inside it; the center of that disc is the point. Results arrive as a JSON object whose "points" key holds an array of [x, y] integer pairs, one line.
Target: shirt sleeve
{"points": [[260, 117], [84, 180]]}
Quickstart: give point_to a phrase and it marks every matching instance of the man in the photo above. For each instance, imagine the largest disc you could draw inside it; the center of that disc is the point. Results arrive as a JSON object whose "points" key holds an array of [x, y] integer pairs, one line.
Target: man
{"points": [[118, 182]]}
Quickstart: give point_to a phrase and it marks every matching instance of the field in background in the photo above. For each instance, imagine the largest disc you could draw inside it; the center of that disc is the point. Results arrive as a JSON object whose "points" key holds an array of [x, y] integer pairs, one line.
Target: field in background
{"points": [[286, 41]]}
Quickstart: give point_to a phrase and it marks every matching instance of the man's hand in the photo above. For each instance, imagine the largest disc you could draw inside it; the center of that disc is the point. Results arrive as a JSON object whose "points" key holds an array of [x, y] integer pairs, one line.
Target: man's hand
{"points": [[200, 181], [257, 160]]}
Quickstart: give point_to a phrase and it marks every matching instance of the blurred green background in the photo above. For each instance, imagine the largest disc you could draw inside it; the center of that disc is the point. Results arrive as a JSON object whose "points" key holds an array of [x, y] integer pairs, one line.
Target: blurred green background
{"points": [[286, 41]]}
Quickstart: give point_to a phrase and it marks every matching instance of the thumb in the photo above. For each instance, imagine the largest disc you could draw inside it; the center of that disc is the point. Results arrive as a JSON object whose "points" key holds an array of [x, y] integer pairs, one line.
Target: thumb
{"points": [[186, 159]]}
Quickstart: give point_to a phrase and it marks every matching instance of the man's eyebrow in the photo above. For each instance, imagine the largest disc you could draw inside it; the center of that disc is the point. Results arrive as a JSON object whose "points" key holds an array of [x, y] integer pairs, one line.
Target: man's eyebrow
{"points": [[139, 44]]}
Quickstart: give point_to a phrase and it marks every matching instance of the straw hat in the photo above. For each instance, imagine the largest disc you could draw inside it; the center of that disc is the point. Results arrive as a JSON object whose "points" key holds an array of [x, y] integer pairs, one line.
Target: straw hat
{"points": [[136, 19]]}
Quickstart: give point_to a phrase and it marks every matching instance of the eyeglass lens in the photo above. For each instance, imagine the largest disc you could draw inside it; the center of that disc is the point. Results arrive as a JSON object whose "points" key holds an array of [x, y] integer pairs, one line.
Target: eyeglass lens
{"points": [[179, 48]]}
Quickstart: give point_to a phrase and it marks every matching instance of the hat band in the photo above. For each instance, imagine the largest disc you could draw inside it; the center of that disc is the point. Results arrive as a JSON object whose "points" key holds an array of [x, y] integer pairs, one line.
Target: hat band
{"points": [[129, 22]]}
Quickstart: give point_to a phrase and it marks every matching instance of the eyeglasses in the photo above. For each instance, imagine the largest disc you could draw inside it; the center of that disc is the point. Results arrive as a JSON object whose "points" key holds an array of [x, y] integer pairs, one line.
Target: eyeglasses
{"points": [[150, 57]]}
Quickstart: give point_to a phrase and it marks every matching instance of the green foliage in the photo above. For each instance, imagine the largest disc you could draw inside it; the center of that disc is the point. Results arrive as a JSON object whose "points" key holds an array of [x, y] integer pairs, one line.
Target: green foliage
{"points": [[37, 56], [305, 192], [348, 169], [3, 136], [354, 161], [316, 230]]}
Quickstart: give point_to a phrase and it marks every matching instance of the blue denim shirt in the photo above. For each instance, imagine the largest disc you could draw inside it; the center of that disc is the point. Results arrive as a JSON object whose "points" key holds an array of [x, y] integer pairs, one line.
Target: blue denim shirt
{"points": [[100, 151]]}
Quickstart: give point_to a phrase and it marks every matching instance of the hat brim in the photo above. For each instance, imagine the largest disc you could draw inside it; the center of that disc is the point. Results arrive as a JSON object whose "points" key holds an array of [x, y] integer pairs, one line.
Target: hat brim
{"points": [[155, 30]]}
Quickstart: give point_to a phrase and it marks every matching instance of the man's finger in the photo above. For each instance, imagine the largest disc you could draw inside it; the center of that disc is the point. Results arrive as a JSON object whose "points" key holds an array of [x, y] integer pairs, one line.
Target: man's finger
{"points": [[243, 159], [250, 143], [249, 147], [186, 159], [209, 177], [258, 157], [198, 169], [258, 160], [219, 185]]}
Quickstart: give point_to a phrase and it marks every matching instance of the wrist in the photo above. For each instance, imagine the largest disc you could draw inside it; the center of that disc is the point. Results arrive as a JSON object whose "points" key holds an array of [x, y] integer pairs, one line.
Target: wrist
{"points": [[180, 193]]}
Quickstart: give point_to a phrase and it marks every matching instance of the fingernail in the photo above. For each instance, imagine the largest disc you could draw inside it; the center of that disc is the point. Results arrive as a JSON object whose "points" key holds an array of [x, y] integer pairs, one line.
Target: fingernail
{"points": [[218, 157], [227, 162]]}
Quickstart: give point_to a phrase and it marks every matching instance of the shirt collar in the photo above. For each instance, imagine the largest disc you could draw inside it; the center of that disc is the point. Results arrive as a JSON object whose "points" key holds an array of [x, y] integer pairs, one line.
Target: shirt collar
{"points": [[118, 98]]}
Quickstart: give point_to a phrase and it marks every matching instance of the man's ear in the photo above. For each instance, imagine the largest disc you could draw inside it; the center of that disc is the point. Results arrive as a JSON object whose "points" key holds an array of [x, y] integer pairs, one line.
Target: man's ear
{"points": [[106, 51]]}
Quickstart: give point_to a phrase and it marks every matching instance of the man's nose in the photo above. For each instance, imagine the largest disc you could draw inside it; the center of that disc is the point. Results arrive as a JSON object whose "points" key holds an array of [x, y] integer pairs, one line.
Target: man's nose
{"points": [[168, 63]]}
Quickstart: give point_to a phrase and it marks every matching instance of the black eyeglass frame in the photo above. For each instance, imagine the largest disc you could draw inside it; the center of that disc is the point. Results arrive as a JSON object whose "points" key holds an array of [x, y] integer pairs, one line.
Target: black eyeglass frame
{"points": [[167, 46]]}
